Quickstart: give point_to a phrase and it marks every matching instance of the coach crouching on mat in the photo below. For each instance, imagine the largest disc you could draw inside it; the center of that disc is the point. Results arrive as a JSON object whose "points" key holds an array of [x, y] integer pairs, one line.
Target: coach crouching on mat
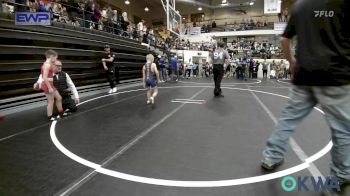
{"points": [[65, 87], [220, 57]]}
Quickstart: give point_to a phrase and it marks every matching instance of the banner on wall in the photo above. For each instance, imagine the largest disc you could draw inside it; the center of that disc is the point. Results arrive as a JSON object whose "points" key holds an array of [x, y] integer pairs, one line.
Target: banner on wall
{"points": [[195, 30], [279, 26], [191, 31], [272, 7]]}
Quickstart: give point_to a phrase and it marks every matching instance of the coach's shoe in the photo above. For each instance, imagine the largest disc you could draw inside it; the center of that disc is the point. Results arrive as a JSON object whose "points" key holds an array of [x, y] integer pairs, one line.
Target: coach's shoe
{"points": [[52, 118], [67, 113], [60, 115], [110, 91], [114, 90], [269, 165]]}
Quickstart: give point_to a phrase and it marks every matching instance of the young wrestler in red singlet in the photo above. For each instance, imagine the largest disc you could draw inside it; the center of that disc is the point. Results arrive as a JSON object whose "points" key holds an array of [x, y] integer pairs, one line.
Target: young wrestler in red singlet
{"points": [[47, 72]]}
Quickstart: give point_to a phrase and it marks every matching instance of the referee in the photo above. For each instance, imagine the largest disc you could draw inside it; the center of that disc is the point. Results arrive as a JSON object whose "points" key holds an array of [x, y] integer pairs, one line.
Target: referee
{"points": [[220, 57]]}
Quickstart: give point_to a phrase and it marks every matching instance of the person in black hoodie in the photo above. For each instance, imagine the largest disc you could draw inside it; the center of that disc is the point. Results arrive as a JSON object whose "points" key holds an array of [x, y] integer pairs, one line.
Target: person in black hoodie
{"points": [[88, 13]]}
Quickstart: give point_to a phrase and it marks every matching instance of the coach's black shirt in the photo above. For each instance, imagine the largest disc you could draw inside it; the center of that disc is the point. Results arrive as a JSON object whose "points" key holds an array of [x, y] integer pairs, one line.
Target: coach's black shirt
{"points": [[108, 56], [322, 28]]}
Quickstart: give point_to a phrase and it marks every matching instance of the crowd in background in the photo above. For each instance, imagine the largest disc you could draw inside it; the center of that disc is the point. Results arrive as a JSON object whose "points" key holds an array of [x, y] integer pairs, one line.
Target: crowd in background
{"points": [[245, 24], [252, 48], [84, 13], [172, 68], [89, 14]]}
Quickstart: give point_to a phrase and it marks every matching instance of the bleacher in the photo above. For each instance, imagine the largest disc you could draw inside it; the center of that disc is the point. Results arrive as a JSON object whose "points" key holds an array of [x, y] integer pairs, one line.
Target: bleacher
{"points": [[22, 51]]}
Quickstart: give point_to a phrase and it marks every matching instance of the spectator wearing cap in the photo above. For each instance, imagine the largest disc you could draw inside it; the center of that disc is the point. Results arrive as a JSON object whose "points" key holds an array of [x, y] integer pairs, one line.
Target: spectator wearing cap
{"points": [[108, 65]]}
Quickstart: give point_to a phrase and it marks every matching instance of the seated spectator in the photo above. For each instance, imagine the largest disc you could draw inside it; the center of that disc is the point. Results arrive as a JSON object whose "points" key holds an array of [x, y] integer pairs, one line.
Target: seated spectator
{"points": [[96, 16], [42, 7], [54, 10], [5, 7], [64, 15]]}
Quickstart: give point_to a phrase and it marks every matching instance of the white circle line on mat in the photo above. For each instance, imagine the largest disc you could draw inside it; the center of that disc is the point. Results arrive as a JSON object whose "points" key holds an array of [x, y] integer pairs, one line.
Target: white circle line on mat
{"points": [[222, 84], [178, 183]]}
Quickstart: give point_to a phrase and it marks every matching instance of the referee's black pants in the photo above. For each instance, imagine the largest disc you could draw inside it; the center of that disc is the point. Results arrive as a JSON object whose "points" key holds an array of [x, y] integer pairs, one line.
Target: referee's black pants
{"points": [[218, 75], [109, 75]]}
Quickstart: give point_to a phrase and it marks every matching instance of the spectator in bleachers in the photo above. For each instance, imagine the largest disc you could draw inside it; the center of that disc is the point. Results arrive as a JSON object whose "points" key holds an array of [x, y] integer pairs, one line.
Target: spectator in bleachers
{"points": [[104, 17], [72, 9], [109, 19], [213, 25], [21, 8], [5, 7], [42, 7], [144, 33], [96, 18], [88, 13], [64, 15], [54, 10], [115, 22], [140, 30], [124, 21], [135, 32]]}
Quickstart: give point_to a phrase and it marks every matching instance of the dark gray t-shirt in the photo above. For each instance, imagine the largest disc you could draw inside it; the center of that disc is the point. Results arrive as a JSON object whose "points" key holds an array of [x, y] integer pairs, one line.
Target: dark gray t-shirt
{"points": [[219, 56], [323, 42], [264, 65]]}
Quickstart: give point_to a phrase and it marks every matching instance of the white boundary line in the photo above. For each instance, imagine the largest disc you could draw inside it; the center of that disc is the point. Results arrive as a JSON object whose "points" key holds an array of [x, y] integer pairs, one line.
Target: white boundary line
{"points": [[315, 172], [189, 100], [281, 81], [222, 84], [175, 183], [194, 102]]}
